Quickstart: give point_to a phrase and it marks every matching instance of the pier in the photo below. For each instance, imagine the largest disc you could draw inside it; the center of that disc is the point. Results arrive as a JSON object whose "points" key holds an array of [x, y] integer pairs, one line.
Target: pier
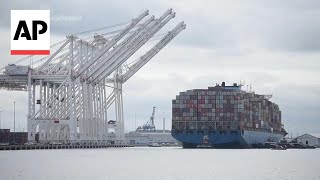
{"points": [[60, 146]]}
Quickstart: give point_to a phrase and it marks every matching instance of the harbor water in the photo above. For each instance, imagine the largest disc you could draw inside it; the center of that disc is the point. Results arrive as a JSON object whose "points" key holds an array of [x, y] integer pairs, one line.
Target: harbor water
{"points": [[147, 163]]}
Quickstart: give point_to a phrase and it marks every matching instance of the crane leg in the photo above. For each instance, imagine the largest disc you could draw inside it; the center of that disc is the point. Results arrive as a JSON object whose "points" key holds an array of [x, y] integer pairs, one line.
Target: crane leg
{"points": [[119, 130]]}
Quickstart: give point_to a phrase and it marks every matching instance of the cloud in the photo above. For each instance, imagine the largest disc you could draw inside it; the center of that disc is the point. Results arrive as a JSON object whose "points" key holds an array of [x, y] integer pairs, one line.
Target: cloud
{"points": [[275, 25], [236, 26]]}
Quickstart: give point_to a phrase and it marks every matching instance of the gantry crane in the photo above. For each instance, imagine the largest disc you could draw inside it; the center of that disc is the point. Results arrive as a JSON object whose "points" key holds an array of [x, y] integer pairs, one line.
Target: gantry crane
{"points": [[149, 126], [68, 97]]}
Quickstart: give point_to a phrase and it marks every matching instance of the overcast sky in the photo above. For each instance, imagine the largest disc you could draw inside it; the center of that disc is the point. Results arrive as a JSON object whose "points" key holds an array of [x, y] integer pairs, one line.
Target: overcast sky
{"points": [[272, 45]]}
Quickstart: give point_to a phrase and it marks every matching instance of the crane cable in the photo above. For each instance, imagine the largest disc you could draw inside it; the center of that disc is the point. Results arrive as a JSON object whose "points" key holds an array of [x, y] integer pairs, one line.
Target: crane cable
{"points": [[98, 29]]}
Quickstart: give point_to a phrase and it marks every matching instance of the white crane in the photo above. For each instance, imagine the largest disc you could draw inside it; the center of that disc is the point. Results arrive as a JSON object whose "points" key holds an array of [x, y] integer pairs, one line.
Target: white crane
{"points": [[68, 96], [149, 126]]}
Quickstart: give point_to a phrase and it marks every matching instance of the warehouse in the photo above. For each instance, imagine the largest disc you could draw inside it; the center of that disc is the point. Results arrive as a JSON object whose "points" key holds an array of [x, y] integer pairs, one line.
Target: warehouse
{"points": [[145, 138], [308, 139]]}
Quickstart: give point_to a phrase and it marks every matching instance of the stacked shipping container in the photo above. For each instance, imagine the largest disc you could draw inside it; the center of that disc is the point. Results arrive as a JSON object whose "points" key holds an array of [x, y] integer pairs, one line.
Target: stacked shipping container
{"points": [[4, 135], [13, 137], [228, 106]]}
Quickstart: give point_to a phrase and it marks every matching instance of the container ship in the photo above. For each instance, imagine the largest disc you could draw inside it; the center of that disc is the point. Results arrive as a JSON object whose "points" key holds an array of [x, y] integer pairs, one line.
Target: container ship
{"points": [[225, 117]]}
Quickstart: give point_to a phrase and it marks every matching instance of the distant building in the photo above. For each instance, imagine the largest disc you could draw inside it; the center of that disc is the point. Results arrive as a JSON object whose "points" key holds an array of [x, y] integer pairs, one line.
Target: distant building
{"points": [[145, 138], [318, 136], [308, 139]]}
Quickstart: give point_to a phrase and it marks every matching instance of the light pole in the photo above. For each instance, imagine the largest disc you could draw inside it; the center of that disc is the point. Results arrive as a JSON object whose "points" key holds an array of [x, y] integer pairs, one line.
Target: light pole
{"points": [[14, 116], [135, 121], [164, 123]]}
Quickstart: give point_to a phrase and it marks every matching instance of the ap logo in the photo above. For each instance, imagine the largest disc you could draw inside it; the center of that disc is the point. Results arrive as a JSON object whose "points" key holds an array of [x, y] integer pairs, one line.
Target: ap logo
{"points": [[30, 32]]}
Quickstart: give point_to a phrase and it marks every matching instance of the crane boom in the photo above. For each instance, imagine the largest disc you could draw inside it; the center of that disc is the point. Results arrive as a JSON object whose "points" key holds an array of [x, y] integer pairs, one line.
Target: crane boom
{"points": [[140, 43], [53, 55], [119, 49], [152, 52], [114, 41]]}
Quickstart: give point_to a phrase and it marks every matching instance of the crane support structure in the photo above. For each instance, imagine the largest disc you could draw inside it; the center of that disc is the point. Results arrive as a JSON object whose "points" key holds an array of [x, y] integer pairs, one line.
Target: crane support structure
{"points": [[69, 91]]}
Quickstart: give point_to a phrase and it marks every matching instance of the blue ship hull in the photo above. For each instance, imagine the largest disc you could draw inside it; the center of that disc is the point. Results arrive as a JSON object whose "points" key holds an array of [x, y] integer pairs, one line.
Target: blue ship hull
{"points": [[225, 139]]}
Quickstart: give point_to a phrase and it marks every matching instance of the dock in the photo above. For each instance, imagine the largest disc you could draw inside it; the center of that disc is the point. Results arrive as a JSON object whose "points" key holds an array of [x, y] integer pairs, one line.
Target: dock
{"points": [[59, 146]]}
